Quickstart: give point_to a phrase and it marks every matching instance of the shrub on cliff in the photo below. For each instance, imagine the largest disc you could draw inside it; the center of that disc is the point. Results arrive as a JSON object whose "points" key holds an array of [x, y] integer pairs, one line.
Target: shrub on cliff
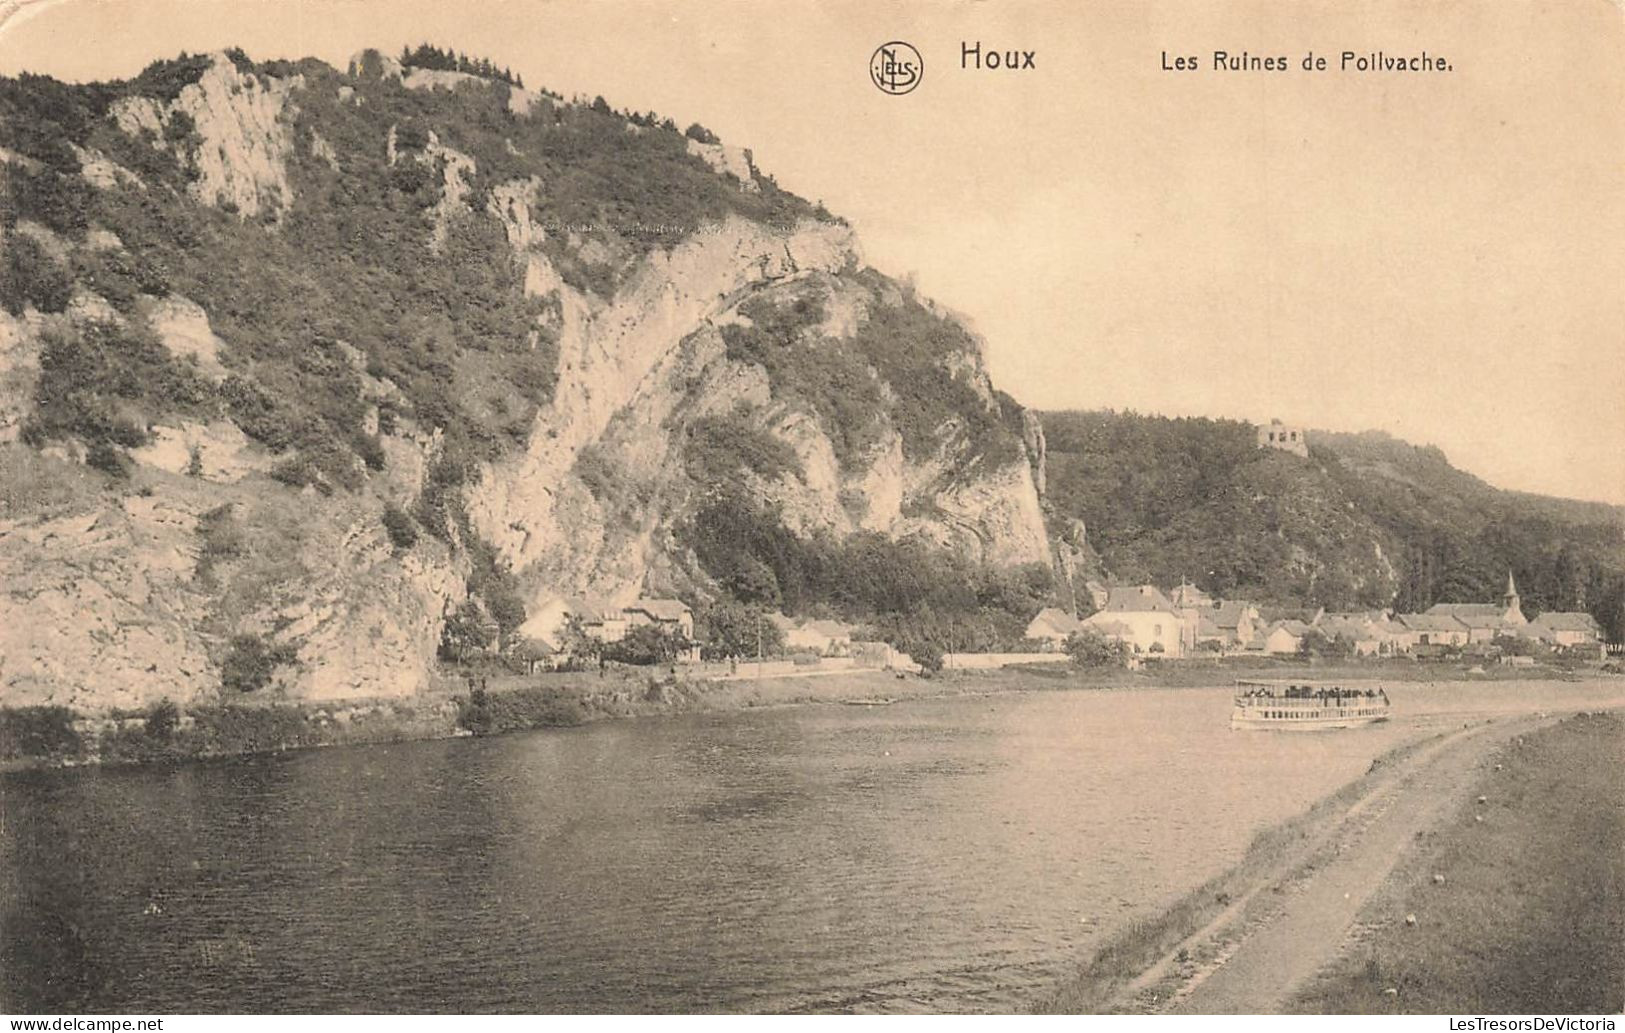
{"points": [[103, 382], [832, 380], [720, 447], [118, 276], [30, 276], [701, 134], [251, 661], [165, 78], [918, 355], [403, 530], [100, 455]]}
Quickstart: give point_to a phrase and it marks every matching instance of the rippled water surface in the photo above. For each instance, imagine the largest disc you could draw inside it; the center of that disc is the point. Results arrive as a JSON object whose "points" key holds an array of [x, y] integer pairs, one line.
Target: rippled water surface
{"points": [[955, 855]]}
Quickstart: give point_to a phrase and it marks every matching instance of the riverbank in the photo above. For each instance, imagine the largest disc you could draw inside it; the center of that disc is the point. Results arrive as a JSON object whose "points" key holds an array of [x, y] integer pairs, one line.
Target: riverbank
{"points": [[56, 737], [1528, 916], [1518, 899], [43, 737]]}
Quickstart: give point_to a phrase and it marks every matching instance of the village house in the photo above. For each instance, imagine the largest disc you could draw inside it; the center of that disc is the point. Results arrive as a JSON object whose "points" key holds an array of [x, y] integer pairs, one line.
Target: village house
{"points": [[1398, 638], [670, 615], [536, 653], [1567, 629], [1371, 632], [1188, 596], [1357, 629], [1283, 637], [1237, 621], [1433, 630], [1052, 627], [546, 621], [1209, 635], [599, 621], [1147, 621], [824, 637], [1309, 615], [548, 624]]}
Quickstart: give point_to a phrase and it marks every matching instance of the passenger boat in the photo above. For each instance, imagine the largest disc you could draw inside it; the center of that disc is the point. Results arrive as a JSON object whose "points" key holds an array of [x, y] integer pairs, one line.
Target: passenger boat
{"points": [[1295, 706]]}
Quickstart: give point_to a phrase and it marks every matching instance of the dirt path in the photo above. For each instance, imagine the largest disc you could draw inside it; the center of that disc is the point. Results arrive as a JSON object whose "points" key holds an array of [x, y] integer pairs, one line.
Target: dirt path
{"points": [[1299, 908]]}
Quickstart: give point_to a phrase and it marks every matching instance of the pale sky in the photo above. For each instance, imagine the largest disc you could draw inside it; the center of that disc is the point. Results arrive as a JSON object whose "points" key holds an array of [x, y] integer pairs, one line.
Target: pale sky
{"points": [[1437, 255]]}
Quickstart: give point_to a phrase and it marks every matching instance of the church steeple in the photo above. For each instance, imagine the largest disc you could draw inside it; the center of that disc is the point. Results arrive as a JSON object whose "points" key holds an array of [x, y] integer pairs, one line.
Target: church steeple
{"points": [[1509, 601]]}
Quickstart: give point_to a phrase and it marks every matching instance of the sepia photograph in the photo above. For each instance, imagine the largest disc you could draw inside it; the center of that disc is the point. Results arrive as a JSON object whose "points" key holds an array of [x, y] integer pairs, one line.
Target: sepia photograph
{"points": [[939, 507]]}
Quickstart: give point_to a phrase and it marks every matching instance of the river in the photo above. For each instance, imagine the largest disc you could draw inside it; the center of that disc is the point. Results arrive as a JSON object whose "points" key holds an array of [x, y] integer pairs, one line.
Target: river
{"points": [[953, 855]]}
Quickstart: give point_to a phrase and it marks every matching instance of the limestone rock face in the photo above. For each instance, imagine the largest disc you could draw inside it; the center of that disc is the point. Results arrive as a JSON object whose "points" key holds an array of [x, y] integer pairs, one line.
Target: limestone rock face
{"points": [[121, 603], [630, 362], [214, 451], [1032, 436], [184, 329], [994, 518], [117, 593], [372, 627], [635, 372], [728, 160], [96, 610], [244, 139], [19, 369]]}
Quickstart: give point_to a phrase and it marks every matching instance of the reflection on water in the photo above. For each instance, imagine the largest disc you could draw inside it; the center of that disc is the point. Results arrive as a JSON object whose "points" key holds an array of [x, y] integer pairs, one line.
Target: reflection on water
{"points": [[955, 856]]}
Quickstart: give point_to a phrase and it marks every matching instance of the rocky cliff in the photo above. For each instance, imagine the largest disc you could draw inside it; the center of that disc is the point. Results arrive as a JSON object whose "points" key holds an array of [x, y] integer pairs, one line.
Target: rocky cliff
{"points": [[295, 363]]}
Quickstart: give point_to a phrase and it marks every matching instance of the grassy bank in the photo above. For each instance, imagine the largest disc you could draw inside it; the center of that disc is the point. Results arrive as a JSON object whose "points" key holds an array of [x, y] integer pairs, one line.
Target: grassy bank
{"points": [[1519, 901]]}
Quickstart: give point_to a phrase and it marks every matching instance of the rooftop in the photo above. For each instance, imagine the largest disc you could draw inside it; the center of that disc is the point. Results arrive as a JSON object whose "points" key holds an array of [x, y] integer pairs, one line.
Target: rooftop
{"points": [[1567, 621], [1137, 599]]}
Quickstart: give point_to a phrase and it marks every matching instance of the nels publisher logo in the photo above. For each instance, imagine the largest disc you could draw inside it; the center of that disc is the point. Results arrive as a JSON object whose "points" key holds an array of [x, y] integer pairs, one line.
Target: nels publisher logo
{"points": [[896, 68]]}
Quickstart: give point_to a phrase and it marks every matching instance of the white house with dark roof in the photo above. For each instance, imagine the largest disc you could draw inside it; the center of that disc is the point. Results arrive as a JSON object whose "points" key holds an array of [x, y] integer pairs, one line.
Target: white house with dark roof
{"points": [[1147, 621]]}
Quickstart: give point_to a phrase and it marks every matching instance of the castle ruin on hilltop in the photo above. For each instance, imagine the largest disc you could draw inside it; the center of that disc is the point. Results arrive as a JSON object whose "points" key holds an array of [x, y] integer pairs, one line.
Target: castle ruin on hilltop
{"points": [[1287, 439]]}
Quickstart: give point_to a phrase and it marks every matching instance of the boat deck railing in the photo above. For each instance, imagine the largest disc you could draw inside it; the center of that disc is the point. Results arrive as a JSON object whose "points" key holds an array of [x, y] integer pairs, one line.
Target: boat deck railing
{"points": [[1312, 702]]}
